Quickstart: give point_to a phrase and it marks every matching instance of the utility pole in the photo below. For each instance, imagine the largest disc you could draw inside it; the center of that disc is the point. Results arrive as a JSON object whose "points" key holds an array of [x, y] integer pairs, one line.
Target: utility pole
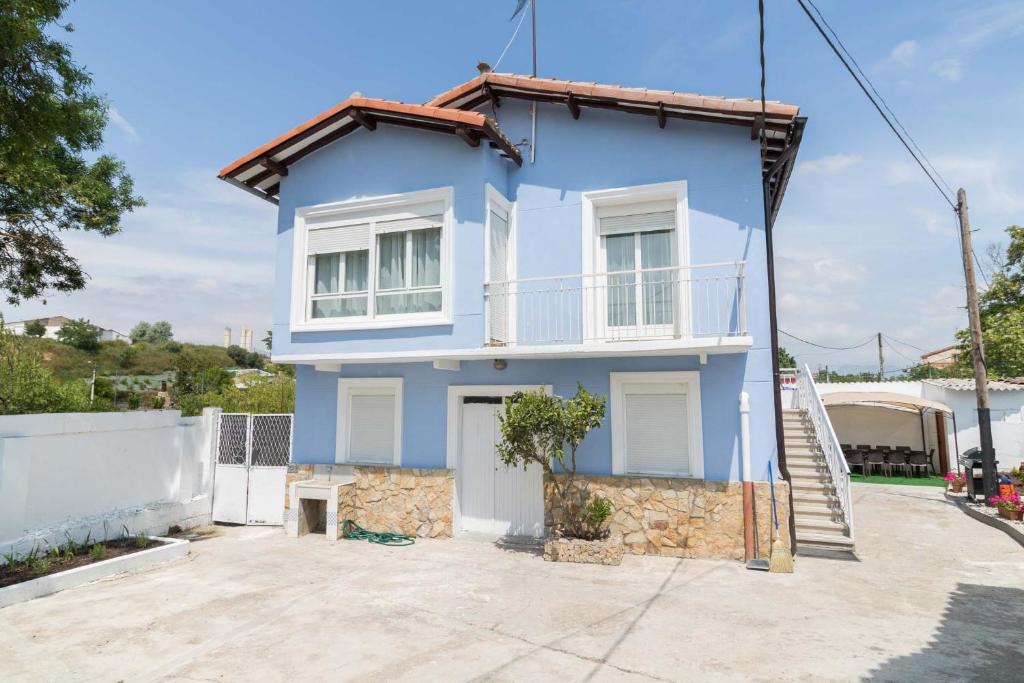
{"points": [[881, 359], [988, 454]]}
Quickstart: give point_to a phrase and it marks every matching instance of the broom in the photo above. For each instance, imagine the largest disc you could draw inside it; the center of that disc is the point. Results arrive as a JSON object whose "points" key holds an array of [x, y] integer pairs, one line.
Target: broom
{"points": [[781, 559]]}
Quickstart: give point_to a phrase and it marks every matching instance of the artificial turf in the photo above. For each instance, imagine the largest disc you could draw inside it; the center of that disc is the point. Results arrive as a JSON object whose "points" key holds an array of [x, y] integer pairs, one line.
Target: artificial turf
{"points": [[903, 481]]}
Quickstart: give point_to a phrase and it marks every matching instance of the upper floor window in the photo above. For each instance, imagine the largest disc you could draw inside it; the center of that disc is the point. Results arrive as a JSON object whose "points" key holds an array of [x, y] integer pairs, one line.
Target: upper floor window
{"points": [[373, 263]]}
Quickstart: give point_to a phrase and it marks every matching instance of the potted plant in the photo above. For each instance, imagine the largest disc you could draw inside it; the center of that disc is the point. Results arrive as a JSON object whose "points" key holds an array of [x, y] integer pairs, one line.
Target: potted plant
{"points": [[956, 480], [548, 430], [1011, 507]]}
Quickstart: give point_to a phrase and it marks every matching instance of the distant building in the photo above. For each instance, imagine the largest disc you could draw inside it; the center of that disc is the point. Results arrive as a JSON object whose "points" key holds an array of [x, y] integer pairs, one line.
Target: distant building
{"points": [[941, 358], [54, 323]]}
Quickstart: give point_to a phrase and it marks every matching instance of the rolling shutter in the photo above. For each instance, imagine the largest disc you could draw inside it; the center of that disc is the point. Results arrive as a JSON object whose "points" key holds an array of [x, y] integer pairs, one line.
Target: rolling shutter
{"points": [[333, 240], [372, 428], [638, 222], [404, 224], [657, 432]]}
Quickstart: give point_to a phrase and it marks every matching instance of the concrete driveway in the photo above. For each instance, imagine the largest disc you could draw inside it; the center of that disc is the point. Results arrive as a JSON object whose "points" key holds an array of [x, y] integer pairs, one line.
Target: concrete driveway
{"points": [[934, 596]]}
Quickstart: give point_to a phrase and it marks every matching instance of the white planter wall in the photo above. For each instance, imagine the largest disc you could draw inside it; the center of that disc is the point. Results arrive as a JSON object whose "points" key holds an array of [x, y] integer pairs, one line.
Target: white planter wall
{"points": [[82, 473]]}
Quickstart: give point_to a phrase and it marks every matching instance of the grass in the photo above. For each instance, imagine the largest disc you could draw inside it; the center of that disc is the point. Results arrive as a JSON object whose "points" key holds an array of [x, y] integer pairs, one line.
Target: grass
{"points": [[903, 481]]}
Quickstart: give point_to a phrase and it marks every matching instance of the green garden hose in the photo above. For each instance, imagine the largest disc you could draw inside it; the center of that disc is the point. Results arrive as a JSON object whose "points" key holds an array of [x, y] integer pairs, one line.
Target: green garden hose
{"points": [[353, 531]]}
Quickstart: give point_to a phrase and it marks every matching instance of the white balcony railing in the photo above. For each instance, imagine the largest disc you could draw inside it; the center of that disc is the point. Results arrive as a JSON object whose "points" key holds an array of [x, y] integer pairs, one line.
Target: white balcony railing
{"points": [[678, 302]]}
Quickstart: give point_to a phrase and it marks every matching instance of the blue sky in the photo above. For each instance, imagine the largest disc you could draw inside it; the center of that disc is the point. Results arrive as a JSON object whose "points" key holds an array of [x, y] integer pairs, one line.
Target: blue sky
{"points": [[865, 243]]}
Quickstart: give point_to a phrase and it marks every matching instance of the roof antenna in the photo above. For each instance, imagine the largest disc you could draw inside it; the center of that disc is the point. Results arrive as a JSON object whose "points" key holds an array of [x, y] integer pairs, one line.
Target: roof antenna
{"points": [[483, 67]]}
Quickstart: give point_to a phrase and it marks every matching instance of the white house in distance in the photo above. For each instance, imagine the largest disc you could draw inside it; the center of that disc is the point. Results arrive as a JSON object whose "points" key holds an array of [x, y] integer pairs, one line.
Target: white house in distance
{"points": [[54, 323]]}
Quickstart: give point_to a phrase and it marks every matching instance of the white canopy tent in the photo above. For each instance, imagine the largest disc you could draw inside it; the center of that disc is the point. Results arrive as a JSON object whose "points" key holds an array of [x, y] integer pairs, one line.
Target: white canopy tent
{"points": [[857, 427]]}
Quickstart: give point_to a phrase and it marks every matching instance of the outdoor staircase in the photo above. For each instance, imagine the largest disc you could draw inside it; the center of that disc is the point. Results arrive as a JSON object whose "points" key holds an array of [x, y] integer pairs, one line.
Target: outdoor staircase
{"points": [[819, 519]]}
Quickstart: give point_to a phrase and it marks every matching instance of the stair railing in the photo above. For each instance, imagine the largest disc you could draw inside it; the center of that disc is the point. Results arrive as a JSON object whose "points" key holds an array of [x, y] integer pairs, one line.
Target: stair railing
{"points": [[809, 401]]}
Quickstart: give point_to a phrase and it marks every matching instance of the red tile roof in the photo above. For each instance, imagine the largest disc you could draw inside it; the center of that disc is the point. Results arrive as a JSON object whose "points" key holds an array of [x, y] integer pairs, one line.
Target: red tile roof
{"points": [[692, 101]]}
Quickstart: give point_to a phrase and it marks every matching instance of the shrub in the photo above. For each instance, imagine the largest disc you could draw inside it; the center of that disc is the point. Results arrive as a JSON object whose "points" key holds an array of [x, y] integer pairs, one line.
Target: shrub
{"points": [[536, 428], [35, 328], [80, 334], [28, 386]]}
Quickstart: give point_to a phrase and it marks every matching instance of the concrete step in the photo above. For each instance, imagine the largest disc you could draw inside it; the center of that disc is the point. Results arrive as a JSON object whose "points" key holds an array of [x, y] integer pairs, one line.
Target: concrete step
{"points": [[798, 447], [820, 525], [804, 497], [827, 541], [812, 485], [813, 510], [800, 437]]}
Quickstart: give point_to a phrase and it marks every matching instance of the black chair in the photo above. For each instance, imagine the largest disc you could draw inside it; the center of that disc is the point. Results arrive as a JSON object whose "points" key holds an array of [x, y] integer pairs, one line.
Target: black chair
{"points": [[856, 459], [918, 460], [875, 459], [896, 460]]}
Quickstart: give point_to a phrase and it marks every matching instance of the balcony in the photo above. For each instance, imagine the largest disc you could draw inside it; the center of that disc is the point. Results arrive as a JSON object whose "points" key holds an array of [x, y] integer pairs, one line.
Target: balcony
{"points": [[655, 308]]}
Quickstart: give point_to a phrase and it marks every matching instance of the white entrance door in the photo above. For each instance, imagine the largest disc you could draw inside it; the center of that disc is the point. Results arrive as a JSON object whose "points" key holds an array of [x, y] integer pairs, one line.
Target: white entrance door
{"points": [[253, 452], [495, 499]]}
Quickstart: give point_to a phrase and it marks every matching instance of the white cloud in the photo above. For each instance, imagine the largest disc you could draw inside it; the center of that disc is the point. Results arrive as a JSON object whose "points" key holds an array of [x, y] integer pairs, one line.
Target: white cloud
{"points": [[904, 53], [833, 163], [200, 255], [122, 124], [948, 69]]}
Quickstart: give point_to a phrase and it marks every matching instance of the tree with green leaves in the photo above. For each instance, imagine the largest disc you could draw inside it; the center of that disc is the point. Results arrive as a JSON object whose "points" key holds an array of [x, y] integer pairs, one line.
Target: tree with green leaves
{"points": [[159, 332], [536, 428], [140, 332], [35, 328], [1002, 314], [268, 341], [28, 386], [243, 358], [785, 359], [80, 334], [51, 178]]}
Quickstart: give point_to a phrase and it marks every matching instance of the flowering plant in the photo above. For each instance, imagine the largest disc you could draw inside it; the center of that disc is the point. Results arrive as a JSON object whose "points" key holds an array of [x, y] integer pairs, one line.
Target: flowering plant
{"points": [[956, 479], [1012, 502]]}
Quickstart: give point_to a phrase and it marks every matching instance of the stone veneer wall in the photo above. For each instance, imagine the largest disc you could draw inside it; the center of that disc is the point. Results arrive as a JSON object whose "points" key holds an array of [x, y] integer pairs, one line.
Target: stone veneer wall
{"points": [[681, 517], [401, 500], [396, 499]]}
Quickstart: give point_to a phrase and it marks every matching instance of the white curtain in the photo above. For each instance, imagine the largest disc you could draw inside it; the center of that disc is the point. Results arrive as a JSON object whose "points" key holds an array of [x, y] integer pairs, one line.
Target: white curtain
{"points": [[356, 268], [656, 252], [621, 288], [426, 257], [327, 273], [391, 261]]}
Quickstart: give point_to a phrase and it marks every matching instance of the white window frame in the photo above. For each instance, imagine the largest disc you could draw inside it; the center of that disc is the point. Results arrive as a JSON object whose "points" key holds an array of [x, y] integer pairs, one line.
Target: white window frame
{"points": [[372, 210], [593, 253], [365, 386], [493, 197], [695, 450]]}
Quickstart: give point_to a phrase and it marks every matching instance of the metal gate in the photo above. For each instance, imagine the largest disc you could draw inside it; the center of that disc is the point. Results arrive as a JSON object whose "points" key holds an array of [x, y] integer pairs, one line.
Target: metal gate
{"points": [[253, 452]]}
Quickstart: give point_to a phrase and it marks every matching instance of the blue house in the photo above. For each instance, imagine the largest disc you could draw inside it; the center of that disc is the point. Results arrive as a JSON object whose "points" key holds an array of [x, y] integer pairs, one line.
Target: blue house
{"points": [[516, 233]]}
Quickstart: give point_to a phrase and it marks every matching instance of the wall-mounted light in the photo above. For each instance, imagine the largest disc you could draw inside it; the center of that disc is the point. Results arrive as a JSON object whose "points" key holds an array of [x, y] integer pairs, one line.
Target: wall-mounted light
{"points": [[500, 363]]}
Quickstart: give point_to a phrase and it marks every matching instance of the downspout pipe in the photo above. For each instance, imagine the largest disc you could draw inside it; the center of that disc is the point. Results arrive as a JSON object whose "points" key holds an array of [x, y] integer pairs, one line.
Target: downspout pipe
{"points": [[749, 529], [780, 436]]}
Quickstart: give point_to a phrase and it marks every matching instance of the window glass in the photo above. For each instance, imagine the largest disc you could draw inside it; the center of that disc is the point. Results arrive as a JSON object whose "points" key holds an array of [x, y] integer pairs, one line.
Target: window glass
{"points": [[426, 257], [339, 308], [391, 260], [356, 268], [327, 266], [621, 288], [656, 252]]}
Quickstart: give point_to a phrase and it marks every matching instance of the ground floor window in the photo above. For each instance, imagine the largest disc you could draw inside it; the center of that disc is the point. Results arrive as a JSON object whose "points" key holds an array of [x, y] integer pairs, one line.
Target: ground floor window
{"points": [[656, 424], [369, 421]]}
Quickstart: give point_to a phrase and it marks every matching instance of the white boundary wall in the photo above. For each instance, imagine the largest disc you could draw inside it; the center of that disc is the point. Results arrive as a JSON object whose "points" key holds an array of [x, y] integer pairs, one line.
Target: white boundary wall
{"points": [[95, 473]]}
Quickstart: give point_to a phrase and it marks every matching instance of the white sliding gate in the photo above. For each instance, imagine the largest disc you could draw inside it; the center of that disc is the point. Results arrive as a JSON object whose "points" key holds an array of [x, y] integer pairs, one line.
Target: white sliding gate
{"points": [[253, 452]]}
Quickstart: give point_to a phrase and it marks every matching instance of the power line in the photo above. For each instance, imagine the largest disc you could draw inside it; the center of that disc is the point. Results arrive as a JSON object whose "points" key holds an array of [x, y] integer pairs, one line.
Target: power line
{"points": [[904, 343], [830, 348], [878, 107], [513, 38], [897, 351]]}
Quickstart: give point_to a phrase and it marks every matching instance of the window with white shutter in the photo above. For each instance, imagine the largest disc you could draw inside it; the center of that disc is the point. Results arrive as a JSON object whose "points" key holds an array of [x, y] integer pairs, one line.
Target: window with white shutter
{"points": [[374, 263], [369, 421], [656, 427]]}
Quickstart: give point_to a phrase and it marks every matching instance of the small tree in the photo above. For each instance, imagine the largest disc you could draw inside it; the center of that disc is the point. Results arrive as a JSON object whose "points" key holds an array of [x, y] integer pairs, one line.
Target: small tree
{"points": [[140, 332], [35, 328], [80, 334], [160, 331], [536, 428], [786, 359]]}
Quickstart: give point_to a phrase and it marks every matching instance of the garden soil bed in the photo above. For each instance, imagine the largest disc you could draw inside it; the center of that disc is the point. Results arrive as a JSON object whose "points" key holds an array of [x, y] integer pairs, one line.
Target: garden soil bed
{"points": [[25, 572]]}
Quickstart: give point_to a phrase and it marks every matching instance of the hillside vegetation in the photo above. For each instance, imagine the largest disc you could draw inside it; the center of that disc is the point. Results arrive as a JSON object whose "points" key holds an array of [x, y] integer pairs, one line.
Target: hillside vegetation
{"points": [[121, 358]]}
